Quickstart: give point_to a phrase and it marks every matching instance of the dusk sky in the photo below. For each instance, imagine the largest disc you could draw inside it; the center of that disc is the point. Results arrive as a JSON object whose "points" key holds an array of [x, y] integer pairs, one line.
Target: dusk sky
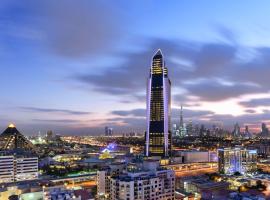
{"points": [[75, 67]]}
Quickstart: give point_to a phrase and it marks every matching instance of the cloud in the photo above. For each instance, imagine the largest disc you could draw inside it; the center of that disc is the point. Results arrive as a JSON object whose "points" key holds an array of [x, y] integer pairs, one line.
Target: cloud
{"points": [[256, 70], [82, 28], [256, 102], [130, 77], [226, 34], [67, 28], [50, 110], [65, 121], [213, 58], [135, 112], [175, 113], [210, 61], [215, 90], [250, 111]]}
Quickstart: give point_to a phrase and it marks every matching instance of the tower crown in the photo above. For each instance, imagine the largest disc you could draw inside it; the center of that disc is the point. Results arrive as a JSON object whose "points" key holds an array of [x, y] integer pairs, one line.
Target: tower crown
{"points": [[158, 63], [158, 54], [11, 126]]}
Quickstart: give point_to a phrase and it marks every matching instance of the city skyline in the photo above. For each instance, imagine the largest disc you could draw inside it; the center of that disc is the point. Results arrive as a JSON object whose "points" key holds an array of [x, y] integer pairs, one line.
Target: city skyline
{"points": [[86, 67]]}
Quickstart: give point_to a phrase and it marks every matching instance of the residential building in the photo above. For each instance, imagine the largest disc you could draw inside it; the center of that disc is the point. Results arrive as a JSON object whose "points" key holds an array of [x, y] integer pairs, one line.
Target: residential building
{"points": [[237, 159], [146, 180]]}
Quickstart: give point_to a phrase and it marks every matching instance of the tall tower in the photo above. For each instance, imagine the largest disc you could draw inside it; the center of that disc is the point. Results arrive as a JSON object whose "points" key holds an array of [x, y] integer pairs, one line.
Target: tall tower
{"points": [[158, 134], [181, 118]]}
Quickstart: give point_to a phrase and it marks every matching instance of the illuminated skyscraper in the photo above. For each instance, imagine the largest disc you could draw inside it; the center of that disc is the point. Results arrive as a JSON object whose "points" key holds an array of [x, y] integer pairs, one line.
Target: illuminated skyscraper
{"points": [[158, 134]]}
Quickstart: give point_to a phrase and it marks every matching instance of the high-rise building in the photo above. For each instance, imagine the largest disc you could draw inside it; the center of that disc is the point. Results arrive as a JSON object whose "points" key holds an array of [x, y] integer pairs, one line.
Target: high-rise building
{"points": [[190, 128], [202, 131], [182, 126], [175, 131], [183, 131], [236, 131], [264, 130], [181, 117], [247, 134], [196, 131], [231, 160], [158, 133], [108, 131]]}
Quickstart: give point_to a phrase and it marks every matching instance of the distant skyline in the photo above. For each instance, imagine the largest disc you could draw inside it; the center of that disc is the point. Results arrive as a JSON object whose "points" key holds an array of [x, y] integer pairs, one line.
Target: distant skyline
{"points": [[76, 67]]}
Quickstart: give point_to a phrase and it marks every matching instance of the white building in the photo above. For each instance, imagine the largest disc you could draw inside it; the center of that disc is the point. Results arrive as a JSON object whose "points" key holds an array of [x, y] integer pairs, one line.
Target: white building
{"points": [[26, 168], [6, 169], [143, 185], [148, 181], [103, 178], [18, 168]]}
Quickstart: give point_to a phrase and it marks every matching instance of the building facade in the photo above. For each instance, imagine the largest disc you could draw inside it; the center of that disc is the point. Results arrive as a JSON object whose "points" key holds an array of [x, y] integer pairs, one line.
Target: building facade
{"points": [[26, 168], [7, 173], [18, 169], [104, 178], [231, 160], [143, 185], [136, 181], [158, 133]]}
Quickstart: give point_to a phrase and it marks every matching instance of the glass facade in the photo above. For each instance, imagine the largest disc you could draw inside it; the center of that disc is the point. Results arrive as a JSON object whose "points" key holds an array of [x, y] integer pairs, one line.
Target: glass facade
{"points": [[158, 135]]}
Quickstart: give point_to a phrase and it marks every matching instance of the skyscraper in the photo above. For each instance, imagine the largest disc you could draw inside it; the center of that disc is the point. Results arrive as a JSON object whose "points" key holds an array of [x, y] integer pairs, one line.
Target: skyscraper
{"points": [[181, 117], [158, 134], [190, 128], [108, 131], [264, 131], [182, 126], [236, 131]]}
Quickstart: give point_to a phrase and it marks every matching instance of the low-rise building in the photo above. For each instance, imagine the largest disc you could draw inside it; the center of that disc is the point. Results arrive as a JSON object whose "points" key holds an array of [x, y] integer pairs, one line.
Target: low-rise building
{"points": [[202, 187], [7, 169], [145, 180], [13, 168]]}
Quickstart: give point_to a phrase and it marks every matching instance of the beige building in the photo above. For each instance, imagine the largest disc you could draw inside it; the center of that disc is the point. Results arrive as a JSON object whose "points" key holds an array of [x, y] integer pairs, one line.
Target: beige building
{"points": [[139, 181]]}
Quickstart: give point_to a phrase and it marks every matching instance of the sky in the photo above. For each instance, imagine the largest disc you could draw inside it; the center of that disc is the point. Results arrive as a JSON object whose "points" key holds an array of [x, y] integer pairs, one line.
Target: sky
{"points": [[75, 67]]}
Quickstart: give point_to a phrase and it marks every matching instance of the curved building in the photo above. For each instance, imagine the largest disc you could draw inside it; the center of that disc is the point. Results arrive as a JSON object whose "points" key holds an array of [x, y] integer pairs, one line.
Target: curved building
{"points": [[158, 133]]}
